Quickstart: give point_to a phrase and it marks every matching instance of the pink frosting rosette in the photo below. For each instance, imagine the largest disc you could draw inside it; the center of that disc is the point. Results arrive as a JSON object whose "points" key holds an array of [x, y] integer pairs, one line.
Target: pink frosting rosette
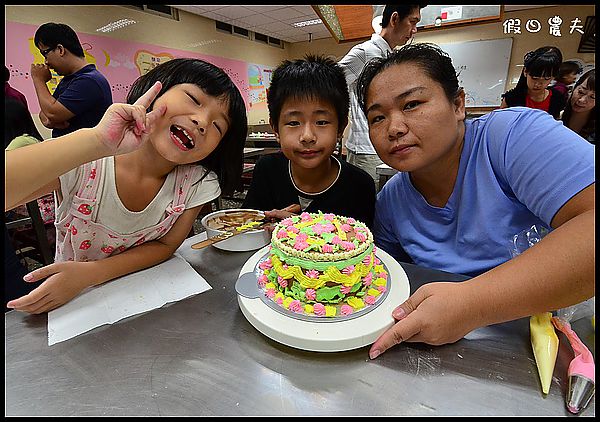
{"points": [[348, 270], [294, 229], [360, 236], [348, 246], [369, 300], [296, 306], [346, 309], [345, 289], [270, 293], [382, 289], [310, 294], [328, 228], [329, 216], [383, 275], [282, 281], [301, 237], [312, 274], [287, 222], [300, 246], [327, 248], [336, 240], [368, 278], [318, 229], [262, 280], [282, 234], [266, 264], [319, 309], [367, 260], [305, 216], [346, 227], [351, 220]]}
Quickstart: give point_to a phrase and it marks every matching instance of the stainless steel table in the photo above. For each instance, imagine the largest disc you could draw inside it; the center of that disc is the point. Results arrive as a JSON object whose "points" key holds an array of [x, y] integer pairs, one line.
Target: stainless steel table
{"points": [[200, 356]]}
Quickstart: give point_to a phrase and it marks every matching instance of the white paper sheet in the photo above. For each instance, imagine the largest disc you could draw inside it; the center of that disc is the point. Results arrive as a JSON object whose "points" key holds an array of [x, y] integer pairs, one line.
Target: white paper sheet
{"points": [[120, 298]]}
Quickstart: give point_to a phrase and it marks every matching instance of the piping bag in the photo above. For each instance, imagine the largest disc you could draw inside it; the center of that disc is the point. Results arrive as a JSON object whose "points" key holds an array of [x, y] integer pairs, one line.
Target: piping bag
{"points": [[544, 340], [581, 371]]}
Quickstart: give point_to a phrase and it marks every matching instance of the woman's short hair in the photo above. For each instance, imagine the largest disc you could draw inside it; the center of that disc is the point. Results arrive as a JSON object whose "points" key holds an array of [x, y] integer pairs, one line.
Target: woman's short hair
{"points": [[432, 60]]}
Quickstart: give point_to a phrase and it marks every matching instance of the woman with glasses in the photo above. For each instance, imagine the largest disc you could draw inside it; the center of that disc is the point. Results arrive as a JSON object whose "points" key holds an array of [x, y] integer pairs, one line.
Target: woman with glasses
{"points": [[539, 69]]}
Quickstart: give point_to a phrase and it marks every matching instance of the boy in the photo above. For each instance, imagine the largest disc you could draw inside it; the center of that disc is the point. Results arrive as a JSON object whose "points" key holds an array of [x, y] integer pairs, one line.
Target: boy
{"points": [[308, 110]]}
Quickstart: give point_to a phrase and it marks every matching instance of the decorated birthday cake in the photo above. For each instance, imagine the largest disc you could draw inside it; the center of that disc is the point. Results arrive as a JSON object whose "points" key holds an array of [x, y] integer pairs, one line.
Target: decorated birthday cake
{"points": [[322, 265]]}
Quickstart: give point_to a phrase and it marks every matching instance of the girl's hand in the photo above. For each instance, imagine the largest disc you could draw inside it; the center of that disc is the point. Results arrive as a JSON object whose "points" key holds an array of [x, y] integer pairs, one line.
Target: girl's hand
{"points": [[284, 213], [65, 281], [437, 313], [125, 127]]}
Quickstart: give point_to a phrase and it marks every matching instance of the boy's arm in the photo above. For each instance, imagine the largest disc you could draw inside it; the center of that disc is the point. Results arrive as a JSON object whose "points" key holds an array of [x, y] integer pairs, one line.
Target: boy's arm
{"points": [[65, 280]]}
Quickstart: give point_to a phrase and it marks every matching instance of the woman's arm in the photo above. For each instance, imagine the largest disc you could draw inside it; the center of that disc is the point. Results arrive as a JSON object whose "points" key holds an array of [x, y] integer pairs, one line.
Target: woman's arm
{"points": [[65, 280], [558, 271]]}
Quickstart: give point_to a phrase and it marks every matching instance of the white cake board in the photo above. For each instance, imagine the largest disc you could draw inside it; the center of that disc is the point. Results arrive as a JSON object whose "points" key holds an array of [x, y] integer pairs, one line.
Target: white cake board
{"points": [[327, 336]]}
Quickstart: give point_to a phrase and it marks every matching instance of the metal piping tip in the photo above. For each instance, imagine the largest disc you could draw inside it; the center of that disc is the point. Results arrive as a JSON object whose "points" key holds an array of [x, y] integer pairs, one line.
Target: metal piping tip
{"points": [[581, 391]]}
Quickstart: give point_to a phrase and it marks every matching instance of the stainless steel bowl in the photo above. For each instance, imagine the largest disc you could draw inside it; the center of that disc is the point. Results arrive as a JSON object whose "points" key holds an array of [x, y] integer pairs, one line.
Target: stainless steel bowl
{"points": [[249, 241]]}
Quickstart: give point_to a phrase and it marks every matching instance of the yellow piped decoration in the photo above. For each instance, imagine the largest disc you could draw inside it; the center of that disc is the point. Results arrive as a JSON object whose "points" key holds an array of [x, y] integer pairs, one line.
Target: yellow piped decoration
{"points": [[380, 282], [355, 302], [248, 225], [330, 310], [544, 342], [373, 292], [287, 301], [309, 309], [330, 274], [270, 285], [309, 222], [341, 233]]}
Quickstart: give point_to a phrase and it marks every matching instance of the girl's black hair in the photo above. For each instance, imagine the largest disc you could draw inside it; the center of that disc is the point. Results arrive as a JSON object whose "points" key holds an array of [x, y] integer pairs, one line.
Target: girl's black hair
{"points": [[227, 158], [432, 60], [544, 62], [18, 121], [313, 77], [51, 34], [590, 126]]}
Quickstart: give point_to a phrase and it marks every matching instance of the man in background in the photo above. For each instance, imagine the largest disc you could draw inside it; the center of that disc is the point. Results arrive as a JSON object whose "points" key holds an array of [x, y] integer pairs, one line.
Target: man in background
{"points": [[399, 24], [83, 94]]}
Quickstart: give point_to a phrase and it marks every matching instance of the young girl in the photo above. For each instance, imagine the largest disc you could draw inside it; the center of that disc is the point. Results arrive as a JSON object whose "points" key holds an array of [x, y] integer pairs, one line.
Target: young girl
{"points": [[117, 215], [539, 68], [308, 108], [580, 112]]}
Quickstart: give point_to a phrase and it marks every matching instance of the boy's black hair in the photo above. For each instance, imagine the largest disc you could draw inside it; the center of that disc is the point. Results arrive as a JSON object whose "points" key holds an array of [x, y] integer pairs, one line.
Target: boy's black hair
{"points": [[432, 60], [312, 77], [403, 11], [227, 158], [568, 67], [51, 34], [18, 121]]}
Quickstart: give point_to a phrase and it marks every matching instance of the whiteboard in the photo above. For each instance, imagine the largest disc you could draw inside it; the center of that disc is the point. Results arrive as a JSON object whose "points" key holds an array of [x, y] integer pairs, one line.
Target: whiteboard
{"points": [[482, 68]]}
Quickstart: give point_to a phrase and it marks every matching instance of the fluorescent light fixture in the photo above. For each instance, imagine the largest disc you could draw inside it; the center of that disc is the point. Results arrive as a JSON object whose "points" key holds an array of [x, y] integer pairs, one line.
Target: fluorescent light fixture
{"points": [[307, 23], [113, 26]]}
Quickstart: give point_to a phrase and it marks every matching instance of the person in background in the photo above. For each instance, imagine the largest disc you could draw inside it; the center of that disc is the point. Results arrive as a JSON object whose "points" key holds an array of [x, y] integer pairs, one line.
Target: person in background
{"points": [[567, 75], [532, 90], [19, 130], [308, 109], [398, 26], [9, 91], [580, 113], [462, 193], [83, 94], [167, 163]]}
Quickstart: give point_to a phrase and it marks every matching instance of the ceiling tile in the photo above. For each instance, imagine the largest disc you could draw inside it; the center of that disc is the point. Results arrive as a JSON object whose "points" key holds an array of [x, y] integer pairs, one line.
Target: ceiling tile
{"points": [[284, 13], [235, 12]]}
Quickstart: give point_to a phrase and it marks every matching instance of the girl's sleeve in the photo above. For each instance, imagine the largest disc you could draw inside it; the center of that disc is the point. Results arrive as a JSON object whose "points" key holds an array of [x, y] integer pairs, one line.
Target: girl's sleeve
{"points": [[203, 191]]}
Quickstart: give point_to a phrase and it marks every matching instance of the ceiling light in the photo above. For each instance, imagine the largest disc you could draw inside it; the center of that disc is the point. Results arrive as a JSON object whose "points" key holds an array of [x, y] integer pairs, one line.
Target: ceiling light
{"points": [[113, 26], [307, 23]]}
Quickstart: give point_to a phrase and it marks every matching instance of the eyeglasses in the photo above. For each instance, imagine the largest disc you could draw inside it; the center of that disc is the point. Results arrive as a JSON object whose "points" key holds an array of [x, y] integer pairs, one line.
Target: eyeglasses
{"points": [[46, 51]]}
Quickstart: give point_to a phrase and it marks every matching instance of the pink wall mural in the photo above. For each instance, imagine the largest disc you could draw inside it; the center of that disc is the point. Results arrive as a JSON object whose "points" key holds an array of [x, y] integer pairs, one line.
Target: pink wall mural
{"points": [[120, 61]]}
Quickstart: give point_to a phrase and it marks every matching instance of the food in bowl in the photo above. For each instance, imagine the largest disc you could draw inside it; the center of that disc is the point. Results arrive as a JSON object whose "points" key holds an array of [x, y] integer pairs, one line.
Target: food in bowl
{"points": [[219, 222]]}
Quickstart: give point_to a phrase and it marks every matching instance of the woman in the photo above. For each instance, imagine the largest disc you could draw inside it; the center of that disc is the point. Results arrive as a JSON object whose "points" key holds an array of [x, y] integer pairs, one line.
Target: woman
{"points": [[580, 113], [465, 188], [532, 90]]}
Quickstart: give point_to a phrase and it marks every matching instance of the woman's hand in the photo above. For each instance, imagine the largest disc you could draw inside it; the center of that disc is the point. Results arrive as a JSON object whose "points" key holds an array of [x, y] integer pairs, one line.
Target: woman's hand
{"points": [[64, 281], [437, 313], [284, 213], [125, 127]]}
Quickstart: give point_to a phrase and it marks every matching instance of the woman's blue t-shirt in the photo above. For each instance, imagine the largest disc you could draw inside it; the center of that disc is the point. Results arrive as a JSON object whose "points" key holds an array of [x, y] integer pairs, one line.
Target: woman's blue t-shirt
{"points": [[518, 167]]}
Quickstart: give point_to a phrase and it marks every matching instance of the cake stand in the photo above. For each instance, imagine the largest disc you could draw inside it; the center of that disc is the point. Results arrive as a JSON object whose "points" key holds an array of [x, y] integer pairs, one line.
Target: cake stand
{"points": [[326, 335]]}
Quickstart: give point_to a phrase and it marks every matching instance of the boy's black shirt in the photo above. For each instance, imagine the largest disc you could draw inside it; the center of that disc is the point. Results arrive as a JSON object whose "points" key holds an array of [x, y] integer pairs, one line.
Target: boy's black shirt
{"points": [[352, 195]]}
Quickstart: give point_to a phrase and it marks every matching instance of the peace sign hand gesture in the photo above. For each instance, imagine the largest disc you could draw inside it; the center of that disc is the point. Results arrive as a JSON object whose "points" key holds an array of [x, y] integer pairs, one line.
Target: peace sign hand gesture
{"points": [[125, 127]]}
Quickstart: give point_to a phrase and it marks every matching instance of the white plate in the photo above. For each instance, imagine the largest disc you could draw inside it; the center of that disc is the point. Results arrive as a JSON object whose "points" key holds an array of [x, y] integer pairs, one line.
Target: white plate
{"points": [[327, 336]]}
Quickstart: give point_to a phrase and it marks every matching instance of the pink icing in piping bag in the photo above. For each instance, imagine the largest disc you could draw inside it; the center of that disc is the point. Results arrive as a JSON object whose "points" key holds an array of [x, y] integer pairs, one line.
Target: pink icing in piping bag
{"points": [[581, 369]]}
